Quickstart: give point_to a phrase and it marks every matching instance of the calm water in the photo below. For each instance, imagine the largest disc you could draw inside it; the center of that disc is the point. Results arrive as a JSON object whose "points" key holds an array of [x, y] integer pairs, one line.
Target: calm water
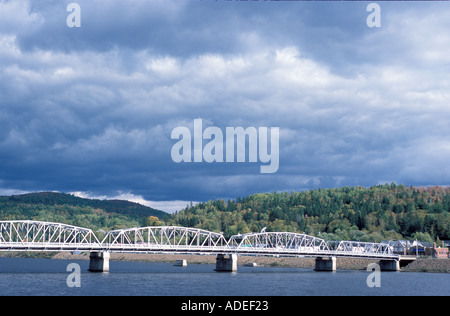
{"points": [[20, 276]]}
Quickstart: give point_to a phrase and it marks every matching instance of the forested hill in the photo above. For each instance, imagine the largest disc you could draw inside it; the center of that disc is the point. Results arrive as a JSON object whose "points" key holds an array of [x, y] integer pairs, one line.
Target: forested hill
{"points": [[110, 206], [69, 209], [382, 212]]}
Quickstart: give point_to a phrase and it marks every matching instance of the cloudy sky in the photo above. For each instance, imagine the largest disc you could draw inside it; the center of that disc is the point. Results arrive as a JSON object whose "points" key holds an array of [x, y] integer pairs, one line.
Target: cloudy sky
{"points": [[90, 109]]}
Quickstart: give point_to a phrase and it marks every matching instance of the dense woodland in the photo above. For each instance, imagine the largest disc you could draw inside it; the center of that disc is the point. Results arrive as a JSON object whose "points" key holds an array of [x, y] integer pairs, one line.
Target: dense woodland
{"points": [[383, 212]]}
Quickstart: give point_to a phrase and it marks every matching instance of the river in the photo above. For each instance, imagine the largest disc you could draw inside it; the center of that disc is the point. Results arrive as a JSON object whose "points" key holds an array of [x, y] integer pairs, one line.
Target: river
{"points": [[46, 277]]}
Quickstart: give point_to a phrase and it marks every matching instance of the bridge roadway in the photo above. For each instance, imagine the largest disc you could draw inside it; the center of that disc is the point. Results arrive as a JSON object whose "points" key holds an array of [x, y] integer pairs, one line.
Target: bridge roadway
{"points": [[27, 235]]}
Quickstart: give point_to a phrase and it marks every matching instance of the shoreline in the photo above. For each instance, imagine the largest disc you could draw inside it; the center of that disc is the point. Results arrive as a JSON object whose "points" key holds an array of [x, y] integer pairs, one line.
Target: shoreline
{"points": [[428, 265]]}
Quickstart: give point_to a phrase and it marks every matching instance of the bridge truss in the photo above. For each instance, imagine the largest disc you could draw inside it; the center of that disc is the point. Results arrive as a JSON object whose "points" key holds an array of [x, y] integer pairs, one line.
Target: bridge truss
{"points": [[46, 236], [163, 238], [360, 249], [278, 242], [36, 235]]}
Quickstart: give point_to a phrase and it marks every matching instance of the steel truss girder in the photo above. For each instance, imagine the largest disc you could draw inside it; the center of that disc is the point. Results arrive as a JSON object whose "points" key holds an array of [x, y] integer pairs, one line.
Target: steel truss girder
{"points": [[37, 233], [278, 241], [47, 236], [163, 237], [358, 248]]}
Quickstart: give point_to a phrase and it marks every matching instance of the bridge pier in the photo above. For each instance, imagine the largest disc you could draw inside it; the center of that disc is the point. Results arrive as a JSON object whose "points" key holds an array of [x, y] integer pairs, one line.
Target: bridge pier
{"points": [[224, 264], [99, 262], [389, 265], [325, 264]]}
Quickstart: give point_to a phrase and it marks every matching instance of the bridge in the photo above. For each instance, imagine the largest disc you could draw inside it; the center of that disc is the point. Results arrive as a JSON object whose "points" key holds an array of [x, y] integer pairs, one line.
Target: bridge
{"points": [[28, 235]]}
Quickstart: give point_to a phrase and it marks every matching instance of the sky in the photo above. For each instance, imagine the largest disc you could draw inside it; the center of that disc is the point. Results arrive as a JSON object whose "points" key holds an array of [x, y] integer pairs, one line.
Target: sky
{"points": [[90, 110]]}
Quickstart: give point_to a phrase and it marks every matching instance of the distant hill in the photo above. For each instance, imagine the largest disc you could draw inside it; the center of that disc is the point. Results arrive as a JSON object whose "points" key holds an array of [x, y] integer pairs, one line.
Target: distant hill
{"points": [[110, 206], [70, 209]]}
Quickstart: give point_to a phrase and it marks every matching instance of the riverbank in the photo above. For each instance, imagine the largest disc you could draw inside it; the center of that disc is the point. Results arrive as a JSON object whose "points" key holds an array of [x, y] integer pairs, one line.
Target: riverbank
{"points": [[420, 265], [429, 265]]}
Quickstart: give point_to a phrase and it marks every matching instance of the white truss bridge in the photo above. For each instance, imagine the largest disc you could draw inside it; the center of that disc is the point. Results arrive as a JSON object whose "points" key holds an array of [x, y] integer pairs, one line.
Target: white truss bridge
{"points": [[27, 235]]}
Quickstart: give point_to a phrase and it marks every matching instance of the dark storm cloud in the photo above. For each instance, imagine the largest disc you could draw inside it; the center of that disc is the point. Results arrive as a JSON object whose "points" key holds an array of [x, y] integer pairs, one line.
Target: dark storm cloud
{"points": [[184, 28], [91, 110]]}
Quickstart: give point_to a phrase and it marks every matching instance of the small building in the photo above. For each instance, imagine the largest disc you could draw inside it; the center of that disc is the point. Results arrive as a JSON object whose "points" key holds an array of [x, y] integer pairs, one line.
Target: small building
{"points": [[439, 252], [398, 246], [410, 247], [420, 248]]}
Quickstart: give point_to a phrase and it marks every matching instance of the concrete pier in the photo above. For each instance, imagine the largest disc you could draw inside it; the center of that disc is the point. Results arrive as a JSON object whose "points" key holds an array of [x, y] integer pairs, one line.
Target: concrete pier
{"points": [[389, 265], [181, 263], [99, 262], [325, 264], [224, 264]]}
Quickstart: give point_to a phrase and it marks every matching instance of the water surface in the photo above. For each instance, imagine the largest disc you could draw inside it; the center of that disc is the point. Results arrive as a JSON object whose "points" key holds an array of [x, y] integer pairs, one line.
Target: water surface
{"points": [[24, 276]]}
